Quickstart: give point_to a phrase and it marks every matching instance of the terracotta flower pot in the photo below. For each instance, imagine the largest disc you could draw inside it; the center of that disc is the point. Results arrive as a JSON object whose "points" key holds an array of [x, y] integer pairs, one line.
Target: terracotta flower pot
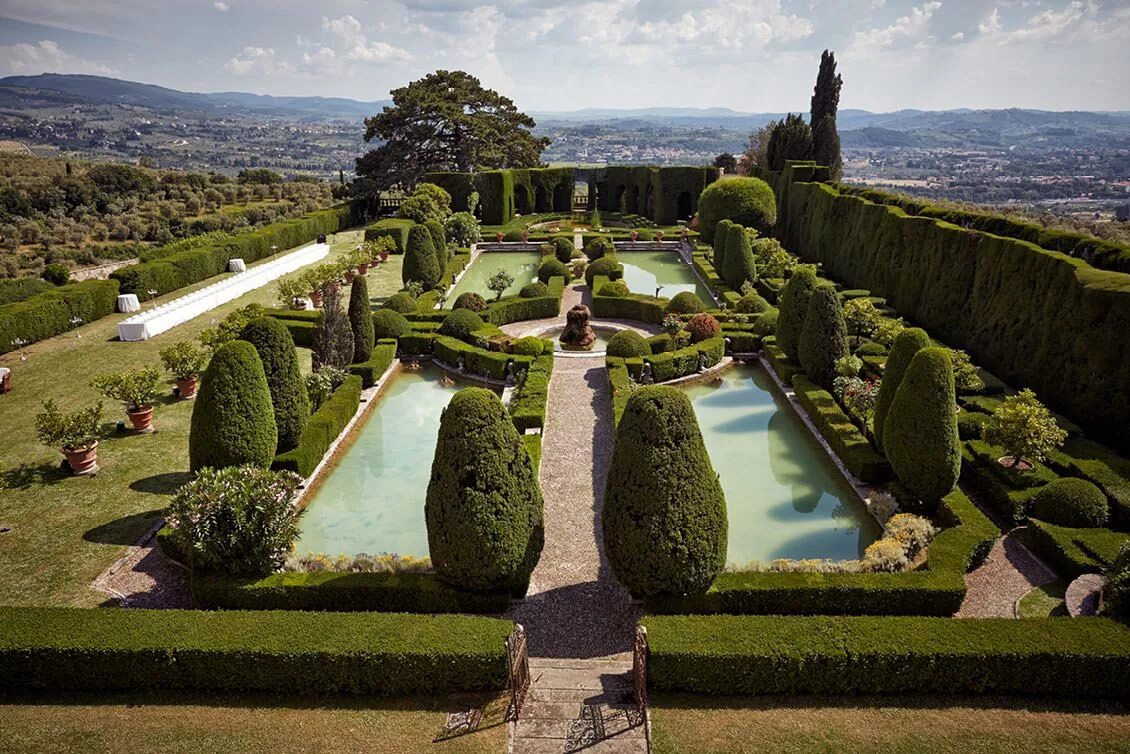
{"points": [[363, 269], [349, 276], [187, 387], [142, 419], [316, 299], [499, 237], [384, 256], [82, 460]]}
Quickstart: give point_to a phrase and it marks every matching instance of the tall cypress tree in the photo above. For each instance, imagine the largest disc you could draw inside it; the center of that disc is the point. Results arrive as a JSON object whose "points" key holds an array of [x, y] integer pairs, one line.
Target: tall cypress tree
{"points": [[790, 140], [738, 265], [333, 335], [822, 117], [361, 320], [275, 347]]}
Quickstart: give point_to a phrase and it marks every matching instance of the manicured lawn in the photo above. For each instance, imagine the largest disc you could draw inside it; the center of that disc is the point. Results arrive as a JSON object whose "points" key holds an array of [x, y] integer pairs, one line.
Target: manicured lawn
{"points": [[1044, 601], [191, 724], [65, 530], [700, 725]]}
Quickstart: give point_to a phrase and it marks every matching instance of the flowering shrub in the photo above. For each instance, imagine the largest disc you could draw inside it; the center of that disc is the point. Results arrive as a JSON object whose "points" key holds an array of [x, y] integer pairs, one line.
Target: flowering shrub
{"points": [[858, 397], [914, 532], [886, 555], [1024, 427], [862, 318], [703, 326], [361, 563], [887, 331], [238, 520], [321, 384], [849, 366], [965, 376]]}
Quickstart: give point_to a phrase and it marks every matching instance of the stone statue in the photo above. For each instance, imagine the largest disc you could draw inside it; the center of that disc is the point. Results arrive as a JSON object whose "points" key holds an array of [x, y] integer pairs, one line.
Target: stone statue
{"points": [[577, 333]]}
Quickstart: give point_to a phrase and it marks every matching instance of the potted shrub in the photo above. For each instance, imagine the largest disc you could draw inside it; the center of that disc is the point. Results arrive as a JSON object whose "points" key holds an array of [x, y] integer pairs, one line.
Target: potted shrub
{"points": [[186, 362], [137, 389], [1025, 429], [292, 292], [76, 434], [366, 253]]}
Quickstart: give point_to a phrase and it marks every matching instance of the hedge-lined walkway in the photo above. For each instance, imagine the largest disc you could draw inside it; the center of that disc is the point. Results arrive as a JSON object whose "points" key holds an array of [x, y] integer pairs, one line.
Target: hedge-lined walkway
{"points": [[579, 620], [1009, 572]]}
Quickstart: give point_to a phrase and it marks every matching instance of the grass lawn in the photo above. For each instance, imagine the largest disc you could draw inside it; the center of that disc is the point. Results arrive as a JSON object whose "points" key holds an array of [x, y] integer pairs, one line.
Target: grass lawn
{"points": [[233, 724], [931, 725], [1044, 601], [66, 530]]}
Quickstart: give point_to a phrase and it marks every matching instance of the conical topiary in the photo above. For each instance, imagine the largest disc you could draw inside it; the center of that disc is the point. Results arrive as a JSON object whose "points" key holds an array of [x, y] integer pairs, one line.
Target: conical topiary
{"points": [[907, 343], [420, 259], [233, 423], [920, 438], [823, 341], [721, 238], [439, 244], [484, 506], [793, 308], [738, 265], [664, 513], [291, 403], [333, 337], [361, 320]]}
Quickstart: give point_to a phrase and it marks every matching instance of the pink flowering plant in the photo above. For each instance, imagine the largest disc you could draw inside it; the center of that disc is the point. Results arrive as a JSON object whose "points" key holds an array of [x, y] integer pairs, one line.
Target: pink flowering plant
{"points": [[239, 520]]}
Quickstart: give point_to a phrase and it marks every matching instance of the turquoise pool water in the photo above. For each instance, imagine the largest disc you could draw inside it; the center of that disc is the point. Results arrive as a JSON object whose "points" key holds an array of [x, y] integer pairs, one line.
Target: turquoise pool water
{"points": [[372, 500], [644, 270], [784, 497], [523, 265]]}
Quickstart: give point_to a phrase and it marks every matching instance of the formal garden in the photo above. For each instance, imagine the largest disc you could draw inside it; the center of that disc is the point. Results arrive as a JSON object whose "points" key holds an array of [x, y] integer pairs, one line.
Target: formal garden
{"points": [[710, 455]]}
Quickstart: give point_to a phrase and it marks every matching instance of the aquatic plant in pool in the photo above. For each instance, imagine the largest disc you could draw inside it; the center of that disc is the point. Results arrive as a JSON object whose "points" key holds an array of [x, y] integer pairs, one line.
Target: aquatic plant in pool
{"points": [[522, 265], [784, 496], [372, 499], [644, 270]]}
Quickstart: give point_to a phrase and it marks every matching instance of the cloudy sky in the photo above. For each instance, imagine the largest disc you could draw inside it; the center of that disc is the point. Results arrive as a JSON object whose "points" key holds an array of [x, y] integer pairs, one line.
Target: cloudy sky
{"points": [[750, 55]]}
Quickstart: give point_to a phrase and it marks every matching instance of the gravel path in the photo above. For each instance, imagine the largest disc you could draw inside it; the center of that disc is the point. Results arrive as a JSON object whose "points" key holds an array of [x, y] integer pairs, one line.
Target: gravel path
{"points": [[1008, 573], [143, 577]]}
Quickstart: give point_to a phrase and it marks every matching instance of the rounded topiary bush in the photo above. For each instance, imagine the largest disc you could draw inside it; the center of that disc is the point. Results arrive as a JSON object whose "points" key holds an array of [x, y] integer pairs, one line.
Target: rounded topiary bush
{"points": [[421, 259], [389, 323], [703, 326], [1116, 593], [1071, 502], [402, 302], [528, 346], [627, 344], [461, 323], [643, 234], [685, 303], [275, 346], [606, 265], [616, 288], [752, 303], [554, 268], [907, 343], [871, 348], [766, 324], [470, 300], [793, 308], [536, 289], [599, 246], [823, 340], [484, 506], [515, 236], [664, 513], [563, 248], [360, 320], [233, 422], [745, 201], [920, 438]]}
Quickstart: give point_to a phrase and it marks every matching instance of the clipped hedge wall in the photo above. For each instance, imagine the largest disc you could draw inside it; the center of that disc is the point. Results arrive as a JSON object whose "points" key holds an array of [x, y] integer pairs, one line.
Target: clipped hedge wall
{"points": [[381, 358], [848, 443], [634, 306], [727, 654], [344, 592], [48, 314], [458, 185], [1031, 316], [395, 228], [476, 361], [286, 652], [527, 408], [1073, 552], [323, 428]]}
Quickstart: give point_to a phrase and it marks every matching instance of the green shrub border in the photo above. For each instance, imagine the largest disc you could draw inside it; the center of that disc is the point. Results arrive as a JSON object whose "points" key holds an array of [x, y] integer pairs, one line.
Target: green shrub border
{"points": [[848, 443], [325, 425], [47, 314]]}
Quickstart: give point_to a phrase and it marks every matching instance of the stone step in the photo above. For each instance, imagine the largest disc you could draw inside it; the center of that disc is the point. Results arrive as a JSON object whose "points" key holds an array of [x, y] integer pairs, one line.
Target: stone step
{"points": [[621, 662], [587, 679], [617, 723], [612, 697], [615, 745]]}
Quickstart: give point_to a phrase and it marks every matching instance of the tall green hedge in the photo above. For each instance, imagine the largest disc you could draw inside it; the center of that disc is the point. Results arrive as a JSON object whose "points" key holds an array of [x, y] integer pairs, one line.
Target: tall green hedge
{"points": [[664, 514], [289, 399], [1030, 316], [823, 339], [420, 257], [233, 422], [50, 313], [484, 506], [792, 310], [907, 343], [361, 319], [395, 228], [286, 652], [325, 426]]}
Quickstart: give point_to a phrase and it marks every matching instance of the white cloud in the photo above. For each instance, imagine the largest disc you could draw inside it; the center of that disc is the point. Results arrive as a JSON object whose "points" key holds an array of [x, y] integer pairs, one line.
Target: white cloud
{"points": [[222, 7], [909, 28], [46, 57], [255, 60], [357, 47], [992, 24], [958, 36]]}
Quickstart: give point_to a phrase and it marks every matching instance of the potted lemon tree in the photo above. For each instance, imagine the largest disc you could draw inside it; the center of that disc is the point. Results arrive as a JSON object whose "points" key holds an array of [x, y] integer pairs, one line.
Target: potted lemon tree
{"points": [[137, 389], [186, 361], [76, 434]]}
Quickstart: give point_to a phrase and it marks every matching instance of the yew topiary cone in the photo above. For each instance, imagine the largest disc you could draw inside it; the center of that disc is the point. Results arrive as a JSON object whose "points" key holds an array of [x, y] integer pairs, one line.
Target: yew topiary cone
{"points": [[361, 320], [907, 343], [484, 506], [823, 340], [792, 310], [664, 512], [233, 422], [420, 259], [275, 346]]}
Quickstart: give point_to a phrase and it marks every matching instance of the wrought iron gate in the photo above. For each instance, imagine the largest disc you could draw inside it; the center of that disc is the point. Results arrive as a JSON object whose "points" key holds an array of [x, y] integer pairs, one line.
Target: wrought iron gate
{"points": [[639, 670], [518, 669]]}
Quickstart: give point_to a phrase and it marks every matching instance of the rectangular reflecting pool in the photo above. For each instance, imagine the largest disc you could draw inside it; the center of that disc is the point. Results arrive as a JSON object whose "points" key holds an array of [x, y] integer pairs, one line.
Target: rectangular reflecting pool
{"points": [[644, 270], [784, 496], [523, 265], [372, 499]]}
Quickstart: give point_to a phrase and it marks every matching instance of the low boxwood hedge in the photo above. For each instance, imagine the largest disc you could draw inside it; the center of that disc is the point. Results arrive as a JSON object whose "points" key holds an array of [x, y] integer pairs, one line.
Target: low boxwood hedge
{"points": [[395, 228], [1073, 552], [50, 313], [729, 654], [323, 428], [634, 306], [848, 443], [527, 408], [344, 592], [382, 357], [476, 361], [286, 652]]}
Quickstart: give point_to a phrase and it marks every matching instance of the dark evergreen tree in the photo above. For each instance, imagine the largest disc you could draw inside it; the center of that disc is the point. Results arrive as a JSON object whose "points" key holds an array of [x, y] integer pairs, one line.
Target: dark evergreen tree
{"points": [[793, 308], [439, 244], [333, 336], [738, 265], [361, 320], [420, 257], [826, 146], [721, 237], [907, 343], [275, 346], [484, 505], [823, 340], [790, 140], [727, 162], [822, 115], [233, 422]]}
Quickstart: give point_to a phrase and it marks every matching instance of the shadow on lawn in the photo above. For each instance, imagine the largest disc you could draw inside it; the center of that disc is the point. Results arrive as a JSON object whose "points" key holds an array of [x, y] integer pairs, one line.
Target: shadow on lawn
{"points": [[123, 531], [25, 475], [161, 484], [877, 702]]}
